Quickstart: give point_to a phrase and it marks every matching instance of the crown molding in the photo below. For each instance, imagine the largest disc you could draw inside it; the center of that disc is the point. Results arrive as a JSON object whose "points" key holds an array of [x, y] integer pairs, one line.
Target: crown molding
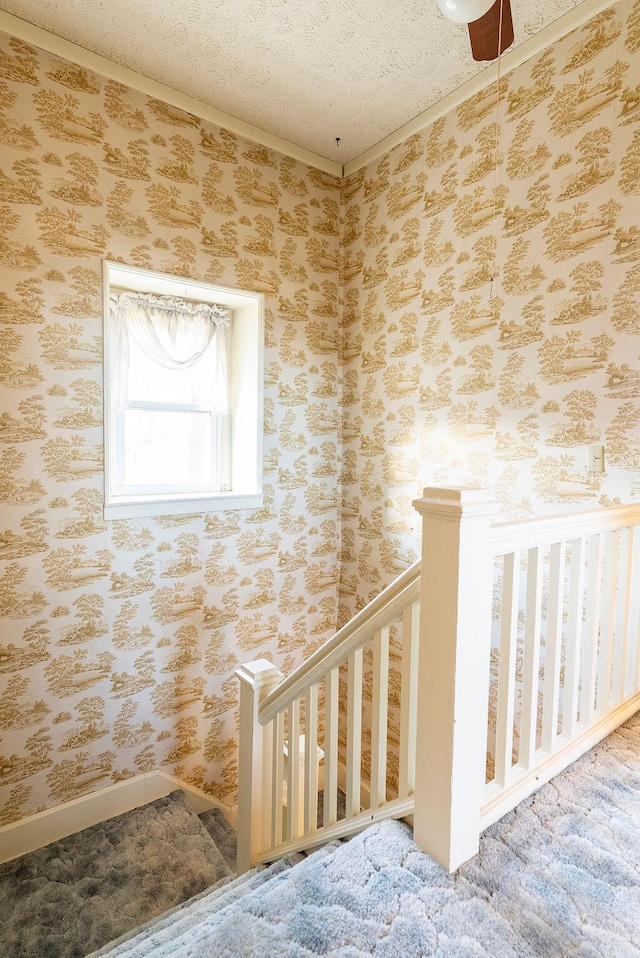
{"points": [[67, 50]]}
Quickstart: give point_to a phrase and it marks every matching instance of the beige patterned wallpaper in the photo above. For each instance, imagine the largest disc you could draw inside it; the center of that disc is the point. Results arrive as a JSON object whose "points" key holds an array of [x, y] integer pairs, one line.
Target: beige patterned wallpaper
{"points": [[480, 324], [362, 68], [118, 641], [491, 323]]}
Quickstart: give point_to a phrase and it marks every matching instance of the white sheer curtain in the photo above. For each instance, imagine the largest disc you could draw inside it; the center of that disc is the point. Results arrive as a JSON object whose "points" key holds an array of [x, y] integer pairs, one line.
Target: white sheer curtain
{"points": [[172, 333]]}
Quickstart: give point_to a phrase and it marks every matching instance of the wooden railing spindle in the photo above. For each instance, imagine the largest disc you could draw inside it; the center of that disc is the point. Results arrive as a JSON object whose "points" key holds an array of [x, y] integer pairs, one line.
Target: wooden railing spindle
{"points": [[409, 699], [607, 622], [507, 667], [379, 716], [311, 760], [528, 732], [277, 782], [574, 638], [354, 733], [591, 628], [293, 771], [330, 807], [553, 649], [634, 616], [621, 629]]}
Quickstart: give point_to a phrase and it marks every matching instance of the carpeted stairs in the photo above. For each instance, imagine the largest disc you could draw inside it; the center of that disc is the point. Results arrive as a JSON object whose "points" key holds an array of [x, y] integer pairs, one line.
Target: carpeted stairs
{"points": [[559, 877], [79, 893]]}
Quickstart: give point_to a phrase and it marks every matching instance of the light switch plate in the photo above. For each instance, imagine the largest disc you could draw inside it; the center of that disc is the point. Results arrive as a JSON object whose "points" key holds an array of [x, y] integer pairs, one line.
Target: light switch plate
{"points": [[595, 458]]}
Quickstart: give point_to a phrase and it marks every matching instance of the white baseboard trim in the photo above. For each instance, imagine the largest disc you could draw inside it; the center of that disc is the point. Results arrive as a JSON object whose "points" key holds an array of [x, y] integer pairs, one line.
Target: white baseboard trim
{"points": [[36, 831]]}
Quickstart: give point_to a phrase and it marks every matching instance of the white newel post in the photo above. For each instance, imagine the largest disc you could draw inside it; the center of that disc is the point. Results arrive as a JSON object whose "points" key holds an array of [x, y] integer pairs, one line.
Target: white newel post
{"points": [[453, 671], [257, 679]]}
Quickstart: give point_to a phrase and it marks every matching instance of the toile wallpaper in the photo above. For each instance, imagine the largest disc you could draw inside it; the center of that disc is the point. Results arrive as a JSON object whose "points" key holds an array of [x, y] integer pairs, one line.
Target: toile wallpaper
{"points": [[465, 310], [118, 640], [491, 319]]}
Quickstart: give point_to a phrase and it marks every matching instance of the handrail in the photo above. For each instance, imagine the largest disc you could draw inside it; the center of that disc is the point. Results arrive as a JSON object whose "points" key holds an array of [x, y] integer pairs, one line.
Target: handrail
{"points": [[377, 614], [526, 533], [383, 609]]}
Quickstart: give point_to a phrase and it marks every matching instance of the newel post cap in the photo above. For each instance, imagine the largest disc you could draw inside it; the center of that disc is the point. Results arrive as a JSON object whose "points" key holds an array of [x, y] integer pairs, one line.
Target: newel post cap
{"points": [[259, 673], [456, 502]]}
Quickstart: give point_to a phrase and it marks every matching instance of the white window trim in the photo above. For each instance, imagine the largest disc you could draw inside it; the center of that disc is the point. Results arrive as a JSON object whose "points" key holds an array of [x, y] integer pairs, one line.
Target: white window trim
{"points": [[247, 338]]}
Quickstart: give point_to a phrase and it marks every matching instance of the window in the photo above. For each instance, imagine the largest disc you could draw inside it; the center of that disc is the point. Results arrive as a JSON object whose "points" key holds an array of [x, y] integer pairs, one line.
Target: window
{"points": [[183, 395]]}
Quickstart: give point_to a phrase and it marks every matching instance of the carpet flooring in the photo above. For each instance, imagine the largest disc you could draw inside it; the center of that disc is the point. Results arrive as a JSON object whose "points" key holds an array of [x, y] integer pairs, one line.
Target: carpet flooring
{"points": [[559, 877], [77, 894], [222, 834]]}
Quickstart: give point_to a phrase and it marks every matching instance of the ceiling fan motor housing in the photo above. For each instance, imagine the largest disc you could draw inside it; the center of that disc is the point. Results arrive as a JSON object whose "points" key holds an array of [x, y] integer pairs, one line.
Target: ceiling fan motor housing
{"points": [[464, 11]]}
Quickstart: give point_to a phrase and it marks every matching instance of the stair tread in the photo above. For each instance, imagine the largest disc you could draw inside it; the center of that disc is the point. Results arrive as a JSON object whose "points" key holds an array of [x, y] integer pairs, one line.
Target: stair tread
{"points": [[141, 931], [189, 913], [103, 881], [173, 924]]}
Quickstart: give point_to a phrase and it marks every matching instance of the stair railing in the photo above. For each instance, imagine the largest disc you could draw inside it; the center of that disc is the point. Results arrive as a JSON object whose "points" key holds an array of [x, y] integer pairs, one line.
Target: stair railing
{"points": [[519, 649], [277, 713], [566, 655]]}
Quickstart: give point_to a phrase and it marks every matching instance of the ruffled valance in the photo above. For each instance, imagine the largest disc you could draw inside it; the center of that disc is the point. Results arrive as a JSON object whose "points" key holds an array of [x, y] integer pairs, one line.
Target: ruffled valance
{"points": [[173, 332]]}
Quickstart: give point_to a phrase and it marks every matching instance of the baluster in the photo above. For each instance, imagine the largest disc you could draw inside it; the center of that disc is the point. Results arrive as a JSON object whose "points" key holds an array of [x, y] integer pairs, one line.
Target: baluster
{"points": [[531, 665], [409, 700], [379, 710], [311, 760], [507, 667], [553, 650], [354, 732], [607, 623], [634, 615], [277, 780], [591, 628], [621, 632], [330, 810], [574, 637], [293, 771]]}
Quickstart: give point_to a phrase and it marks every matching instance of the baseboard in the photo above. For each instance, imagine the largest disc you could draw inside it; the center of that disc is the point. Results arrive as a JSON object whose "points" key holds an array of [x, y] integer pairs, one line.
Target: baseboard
{"points": [[36, 831]]}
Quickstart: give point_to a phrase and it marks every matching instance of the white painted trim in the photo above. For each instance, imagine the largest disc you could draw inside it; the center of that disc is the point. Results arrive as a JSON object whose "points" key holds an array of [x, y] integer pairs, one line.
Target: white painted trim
{"points": [[246, 384], [503, 800], [167, 505], [541, 530], [345, 828], [380, 612], [36, 831], [569, 21], [75, 53]]}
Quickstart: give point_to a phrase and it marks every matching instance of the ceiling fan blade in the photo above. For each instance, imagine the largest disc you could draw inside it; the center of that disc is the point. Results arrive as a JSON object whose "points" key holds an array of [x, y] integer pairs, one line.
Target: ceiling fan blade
{"points": [[486, 33]]}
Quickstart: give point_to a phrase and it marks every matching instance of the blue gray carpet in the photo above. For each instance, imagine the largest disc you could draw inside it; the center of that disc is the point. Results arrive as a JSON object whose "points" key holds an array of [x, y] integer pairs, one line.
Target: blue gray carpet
{"points": [[559, 877], [74, 895], [222, 834]]}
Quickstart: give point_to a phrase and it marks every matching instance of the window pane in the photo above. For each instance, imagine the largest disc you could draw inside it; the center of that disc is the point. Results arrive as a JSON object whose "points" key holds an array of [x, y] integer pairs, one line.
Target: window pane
{"points": [[149, 381], [167, 448]]}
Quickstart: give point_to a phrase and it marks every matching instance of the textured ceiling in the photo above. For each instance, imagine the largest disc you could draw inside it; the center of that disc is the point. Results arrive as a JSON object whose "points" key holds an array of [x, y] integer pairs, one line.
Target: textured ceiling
{"points": [[305, 70]]}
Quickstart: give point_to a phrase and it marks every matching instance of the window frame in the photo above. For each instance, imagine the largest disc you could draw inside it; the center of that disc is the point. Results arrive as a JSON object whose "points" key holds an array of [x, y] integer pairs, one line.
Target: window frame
{"points": [[241, 458]]}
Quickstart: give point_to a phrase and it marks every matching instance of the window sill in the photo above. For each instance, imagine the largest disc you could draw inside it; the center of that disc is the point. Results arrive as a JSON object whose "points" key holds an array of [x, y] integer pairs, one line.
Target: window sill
{"points": [[139, 508]]}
